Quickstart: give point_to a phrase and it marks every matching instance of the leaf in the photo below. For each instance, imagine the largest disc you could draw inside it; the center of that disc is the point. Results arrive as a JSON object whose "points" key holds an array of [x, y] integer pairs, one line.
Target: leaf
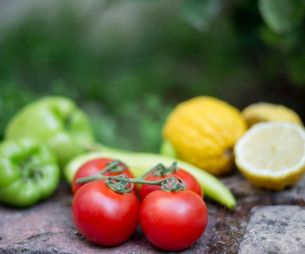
{"points": [[200, 13], [282, 15]]}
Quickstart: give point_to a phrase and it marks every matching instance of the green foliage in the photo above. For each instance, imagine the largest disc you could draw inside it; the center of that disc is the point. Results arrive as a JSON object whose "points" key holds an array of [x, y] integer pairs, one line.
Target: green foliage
{"points": [[201, 13], [282, 15], [127, 63], [296, 67], [12, 98]]}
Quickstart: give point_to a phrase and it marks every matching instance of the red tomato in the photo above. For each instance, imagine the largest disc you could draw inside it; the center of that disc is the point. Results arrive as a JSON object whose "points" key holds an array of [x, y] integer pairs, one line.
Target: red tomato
{"points": [[190, 183], [93, 167], [103, 216], [173, 221]]}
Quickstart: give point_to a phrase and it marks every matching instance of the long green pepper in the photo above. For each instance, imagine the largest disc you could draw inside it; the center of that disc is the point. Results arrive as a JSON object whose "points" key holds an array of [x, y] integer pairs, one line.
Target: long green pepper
{"points": [[140, 163]]}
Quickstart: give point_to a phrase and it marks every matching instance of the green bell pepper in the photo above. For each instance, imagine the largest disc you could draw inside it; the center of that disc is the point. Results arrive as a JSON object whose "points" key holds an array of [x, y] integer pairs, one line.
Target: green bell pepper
{"points": [[28, 172], [56, 121]]}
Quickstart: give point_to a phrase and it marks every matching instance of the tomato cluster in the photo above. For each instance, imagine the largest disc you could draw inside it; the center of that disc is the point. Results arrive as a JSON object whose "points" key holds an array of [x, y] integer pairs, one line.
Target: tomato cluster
{"points": [[170, 220]]}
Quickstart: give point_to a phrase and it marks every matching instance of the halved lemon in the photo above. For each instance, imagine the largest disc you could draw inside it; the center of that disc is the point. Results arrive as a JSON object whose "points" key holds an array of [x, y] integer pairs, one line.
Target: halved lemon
{"points": [[272, 155]]}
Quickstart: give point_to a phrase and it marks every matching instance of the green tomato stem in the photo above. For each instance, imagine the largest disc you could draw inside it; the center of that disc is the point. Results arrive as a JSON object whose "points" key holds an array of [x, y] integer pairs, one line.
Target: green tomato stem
{"points": [[118, 178], [114, 166], [120, 183]]}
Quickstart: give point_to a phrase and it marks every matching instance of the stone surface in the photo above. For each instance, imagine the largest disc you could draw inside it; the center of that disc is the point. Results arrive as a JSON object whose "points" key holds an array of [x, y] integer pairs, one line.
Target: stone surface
{"points": [[275, 229], [294, 195], [48, 227]]}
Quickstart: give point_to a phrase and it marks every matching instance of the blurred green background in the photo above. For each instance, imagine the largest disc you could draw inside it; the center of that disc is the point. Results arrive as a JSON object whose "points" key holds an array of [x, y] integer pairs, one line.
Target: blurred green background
{"points": [[128, 62]]}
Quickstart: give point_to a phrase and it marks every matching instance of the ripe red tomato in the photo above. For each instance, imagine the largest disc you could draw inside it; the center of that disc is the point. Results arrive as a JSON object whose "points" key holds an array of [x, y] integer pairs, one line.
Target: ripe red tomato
{"points": [[189, 180], [103, 216], [93, 167], [173, 221]]}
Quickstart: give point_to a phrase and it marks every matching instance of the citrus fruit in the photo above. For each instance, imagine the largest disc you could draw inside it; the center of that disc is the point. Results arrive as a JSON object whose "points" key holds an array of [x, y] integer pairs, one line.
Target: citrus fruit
{"points": [[203, 131], [272, 155], [268, 112]]}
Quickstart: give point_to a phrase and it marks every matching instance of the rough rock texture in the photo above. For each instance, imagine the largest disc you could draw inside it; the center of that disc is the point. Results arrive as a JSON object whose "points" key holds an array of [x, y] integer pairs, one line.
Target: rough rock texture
{"points": [[275, 229], [48, 227]]}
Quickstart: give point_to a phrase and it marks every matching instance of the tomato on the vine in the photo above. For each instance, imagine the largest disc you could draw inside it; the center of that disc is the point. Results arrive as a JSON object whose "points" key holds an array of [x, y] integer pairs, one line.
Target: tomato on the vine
{"points": [[104, 216], [173, 221], [155, 174], [93, 167]]}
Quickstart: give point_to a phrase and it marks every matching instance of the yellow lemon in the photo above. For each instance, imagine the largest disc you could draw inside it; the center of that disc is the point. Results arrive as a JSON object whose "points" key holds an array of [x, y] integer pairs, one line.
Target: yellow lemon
{"points": [[268, 112], [272, 155], [203, 131]]}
